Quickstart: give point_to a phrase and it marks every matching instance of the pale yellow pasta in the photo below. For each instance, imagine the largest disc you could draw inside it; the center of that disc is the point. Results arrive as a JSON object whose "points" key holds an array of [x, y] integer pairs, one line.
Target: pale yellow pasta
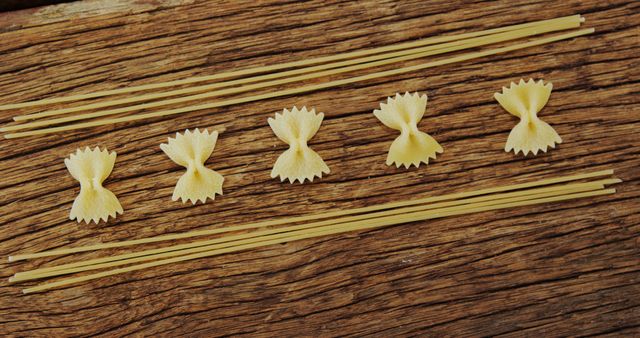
{"points": [[191, 150], [413, 146], [298, 89], [295, 127], [94, 202], [525, 100], [329, 214]]}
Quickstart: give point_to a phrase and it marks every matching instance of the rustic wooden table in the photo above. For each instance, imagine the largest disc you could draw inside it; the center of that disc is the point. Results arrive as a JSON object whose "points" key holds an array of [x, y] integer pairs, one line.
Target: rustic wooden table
{"points": [[560, 269]]}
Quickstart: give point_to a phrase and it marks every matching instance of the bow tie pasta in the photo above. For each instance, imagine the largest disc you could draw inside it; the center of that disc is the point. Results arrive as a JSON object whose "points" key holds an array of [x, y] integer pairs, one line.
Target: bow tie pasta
{"points": [[413, 146], [525, 100], [191, 150], [91, 168], [295, 127]]}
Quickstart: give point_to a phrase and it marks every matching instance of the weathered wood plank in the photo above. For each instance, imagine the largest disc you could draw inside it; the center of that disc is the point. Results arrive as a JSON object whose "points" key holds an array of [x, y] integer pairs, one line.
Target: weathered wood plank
{"points": [[557, 270]]}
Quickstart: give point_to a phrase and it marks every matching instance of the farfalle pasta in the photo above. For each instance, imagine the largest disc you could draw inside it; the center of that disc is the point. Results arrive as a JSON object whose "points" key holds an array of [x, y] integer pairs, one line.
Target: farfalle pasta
{"points": [[295, 127], [525, 100], [94, 202], [413, 146], [191, 150]]}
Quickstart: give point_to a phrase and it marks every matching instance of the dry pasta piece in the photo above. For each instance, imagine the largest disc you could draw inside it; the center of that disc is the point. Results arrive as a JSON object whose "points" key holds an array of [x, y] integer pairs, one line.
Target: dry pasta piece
{"points": [[413, 146], [191, 150], [91, 168], [295, 127], [525, 100]]}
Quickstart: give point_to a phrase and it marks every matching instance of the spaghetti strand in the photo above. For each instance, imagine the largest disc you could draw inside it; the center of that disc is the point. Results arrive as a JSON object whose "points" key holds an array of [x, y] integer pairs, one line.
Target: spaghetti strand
{"points": [[313, 217], [324, 232], [303, 89], [338, 68], [199, 246], [264, 69]]}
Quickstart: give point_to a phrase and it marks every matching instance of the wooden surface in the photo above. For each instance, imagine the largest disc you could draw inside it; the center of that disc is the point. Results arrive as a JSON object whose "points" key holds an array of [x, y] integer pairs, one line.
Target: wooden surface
{"points": [[551, 270]]}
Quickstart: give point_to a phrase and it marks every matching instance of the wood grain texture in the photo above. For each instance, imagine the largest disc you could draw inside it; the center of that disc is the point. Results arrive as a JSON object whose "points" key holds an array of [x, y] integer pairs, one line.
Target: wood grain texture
{"points": [[553, 270]]}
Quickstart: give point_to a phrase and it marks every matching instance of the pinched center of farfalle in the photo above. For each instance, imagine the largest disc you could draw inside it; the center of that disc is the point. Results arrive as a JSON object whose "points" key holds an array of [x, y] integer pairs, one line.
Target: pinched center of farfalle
{"points": [[298, 163], [191, 150], [94, 202], [525, 100], [413, 146]]}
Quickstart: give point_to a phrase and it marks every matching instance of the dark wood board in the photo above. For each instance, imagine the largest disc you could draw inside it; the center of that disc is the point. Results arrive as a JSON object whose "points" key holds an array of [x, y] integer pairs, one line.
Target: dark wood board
{"points": [[570, 268], [14, 5]]}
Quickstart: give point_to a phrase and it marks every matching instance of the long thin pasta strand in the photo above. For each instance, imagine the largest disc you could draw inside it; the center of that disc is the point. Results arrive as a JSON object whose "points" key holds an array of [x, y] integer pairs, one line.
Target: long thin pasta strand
{"points": [[313, 217], [176, 250], [495, 197], [579, 186], [333, 230], [349, 66], [299, 90], [393, 58], [267, 235], [264, 69]]}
